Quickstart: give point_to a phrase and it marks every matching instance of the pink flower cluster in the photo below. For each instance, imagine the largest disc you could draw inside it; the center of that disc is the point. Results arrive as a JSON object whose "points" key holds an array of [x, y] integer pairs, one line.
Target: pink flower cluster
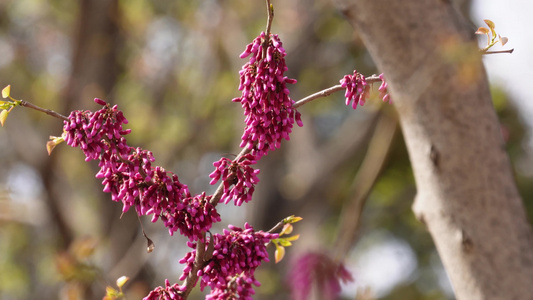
{"points": [[238, 287], [236, 252], [357, 89], [169, 292], [194, 219], [129, 176], [265, 96], [317, 269], [238, 177]]}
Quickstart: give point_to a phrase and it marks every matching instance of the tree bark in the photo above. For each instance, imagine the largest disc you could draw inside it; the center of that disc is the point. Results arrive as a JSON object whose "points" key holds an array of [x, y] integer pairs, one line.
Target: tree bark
{"points": [[466, 194]]}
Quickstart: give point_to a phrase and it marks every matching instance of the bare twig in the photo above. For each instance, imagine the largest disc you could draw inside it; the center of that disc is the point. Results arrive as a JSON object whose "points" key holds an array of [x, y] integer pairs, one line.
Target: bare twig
{"points": [[329, 91], [497, 52], [44, 110], [199, 263]]}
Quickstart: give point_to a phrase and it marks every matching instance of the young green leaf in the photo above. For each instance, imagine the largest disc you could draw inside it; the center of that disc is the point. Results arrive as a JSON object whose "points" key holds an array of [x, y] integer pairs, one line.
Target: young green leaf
{"points": [[279, 253], [287, 229], [482, 30], [490, 24], [3, 116], [6, 91], [122, 280]]}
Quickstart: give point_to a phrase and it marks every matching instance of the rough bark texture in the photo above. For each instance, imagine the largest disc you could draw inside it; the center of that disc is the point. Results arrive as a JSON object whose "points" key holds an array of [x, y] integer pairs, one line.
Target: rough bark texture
{"points": [[466, 193]]}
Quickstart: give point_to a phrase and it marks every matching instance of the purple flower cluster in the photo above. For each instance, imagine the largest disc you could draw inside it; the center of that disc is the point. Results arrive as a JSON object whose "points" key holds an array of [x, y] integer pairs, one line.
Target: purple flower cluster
{"points": [[265, 96], [357, 89], [383, 93], [129, 176], [193, 217], [169, 292], [317, 269], [238, 287], [98, 131], [238, 177], [237, 251]]}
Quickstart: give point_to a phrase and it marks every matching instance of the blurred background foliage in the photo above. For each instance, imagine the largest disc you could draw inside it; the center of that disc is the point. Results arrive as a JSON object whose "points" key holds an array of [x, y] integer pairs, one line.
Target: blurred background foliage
{"points": [[172, 67]]}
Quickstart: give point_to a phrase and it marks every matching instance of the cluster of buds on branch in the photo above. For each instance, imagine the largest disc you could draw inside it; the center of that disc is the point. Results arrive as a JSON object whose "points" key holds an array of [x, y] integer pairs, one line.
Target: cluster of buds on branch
{"points": [[223, 262]]}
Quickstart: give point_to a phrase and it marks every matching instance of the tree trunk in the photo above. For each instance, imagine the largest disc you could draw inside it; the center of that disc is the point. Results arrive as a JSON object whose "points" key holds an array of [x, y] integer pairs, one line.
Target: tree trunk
{"points": [[466, 192]]}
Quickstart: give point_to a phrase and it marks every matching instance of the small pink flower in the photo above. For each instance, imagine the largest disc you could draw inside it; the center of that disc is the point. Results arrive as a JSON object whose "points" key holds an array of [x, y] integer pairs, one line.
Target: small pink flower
{"points": [[169, 292], [383, 93], [127, 173], [237, 287], [238, 177], [357, 89], [236, 252], [265, 96]]}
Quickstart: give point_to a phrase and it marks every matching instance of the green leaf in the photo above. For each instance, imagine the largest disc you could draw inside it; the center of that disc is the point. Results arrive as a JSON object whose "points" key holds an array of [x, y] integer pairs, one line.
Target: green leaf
{"points": [[5, 105], [3, 116], [6, 91], [285, 243], [292, 219]]}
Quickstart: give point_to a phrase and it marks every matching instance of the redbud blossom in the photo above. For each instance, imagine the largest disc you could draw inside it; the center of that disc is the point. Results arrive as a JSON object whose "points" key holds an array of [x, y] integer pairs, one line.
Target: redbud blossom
{"points": [[236, 252], [320, 270], [238, 177], [127, 173], [194, 219], [238, 287], [357, 89], [383, 93], [169, 292], [265, 96]]}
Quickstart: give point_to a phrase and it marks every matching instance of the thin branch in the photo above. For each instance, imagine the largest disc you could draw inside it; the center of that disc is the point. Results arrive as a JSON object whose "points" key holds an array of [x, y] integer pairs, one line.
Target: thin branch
{"points": [[44, 110], [277, 226], [497, 52], [220, 190], [199, 263], [322, 93], [270, 17], [329, 91]]}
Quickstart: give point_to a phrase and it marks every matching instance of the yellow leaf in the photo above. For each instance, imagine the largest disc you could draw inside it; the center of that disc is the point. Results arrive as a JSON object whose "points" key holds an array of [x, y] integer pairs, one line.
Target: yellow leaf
{"points": [[292, 238], [287, 229], [482, 30], [6, 91], [122, 280], [490, 24], [3, 116], [279, 254], [50, 145]]}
